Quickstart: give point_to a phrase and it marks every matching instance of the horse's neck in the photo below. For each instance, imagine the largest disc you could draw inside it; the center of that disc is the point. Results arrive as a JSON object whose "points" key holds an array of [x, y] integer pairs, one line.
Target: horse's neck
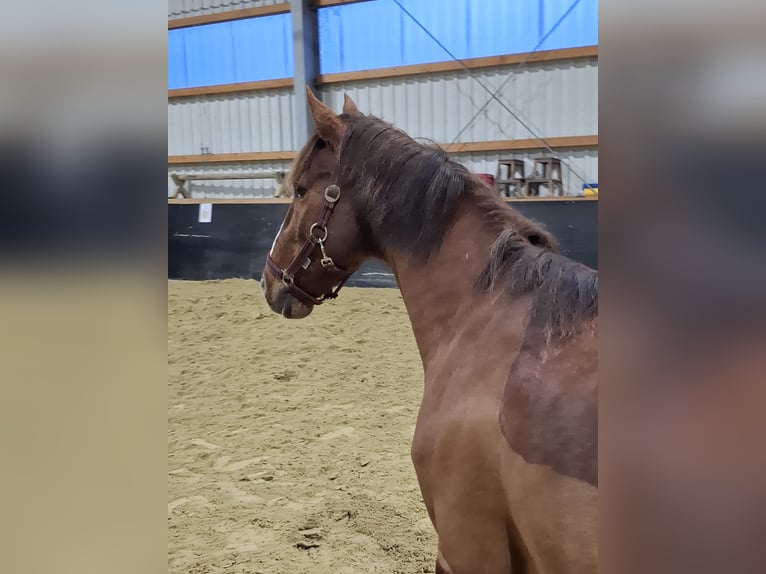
{"points": [[438, 292]]}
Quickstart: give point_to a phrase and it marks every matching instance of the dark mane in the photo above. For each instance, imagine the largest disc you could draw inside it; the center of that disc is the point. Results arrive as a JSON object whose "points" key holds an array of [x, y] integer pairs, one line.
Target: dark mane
{"points": [[384, 164], [565, 292], [409, 193]]}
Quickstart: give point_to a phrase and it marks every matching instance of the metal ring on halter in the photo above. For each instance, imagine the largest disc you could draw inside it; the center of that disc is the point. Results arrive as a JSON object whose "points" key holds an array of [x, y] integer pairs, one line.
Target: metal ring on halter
{"points": [[317, 226], [332, 198]]}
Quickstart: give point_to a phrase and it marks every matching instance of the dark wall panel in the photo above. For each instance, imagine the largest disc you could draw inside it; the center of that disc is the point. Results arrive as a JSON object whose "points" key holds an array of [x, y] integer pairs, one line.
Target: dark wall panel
{"points": [[235, 242]]}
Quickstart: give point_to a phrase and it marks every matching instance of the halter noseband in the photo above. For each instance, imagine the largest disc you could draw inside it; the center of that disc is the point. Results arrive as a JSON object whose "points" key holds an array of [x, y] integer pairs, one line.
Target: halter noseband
{"points": [[317, 236]]}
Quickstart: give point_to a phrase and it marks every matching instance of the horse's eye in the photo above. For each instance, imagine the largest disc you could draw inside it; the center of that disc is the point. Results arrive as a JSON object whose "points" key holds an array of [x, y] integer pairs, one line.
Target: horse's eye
{"points": [[300, 191]]}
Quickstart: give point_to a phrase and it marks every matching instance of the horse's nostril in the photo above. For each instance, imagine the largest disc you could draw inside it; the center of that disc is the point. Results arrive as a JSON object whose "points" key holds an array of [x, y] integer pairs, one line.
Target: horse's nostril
{"points": [[263, 284]]}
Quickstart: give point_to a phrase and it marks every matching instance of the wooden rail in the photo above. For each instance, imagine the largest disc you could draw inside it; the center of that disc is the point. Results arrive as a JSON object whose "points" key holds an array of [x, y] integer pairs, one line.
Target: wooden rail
{"points": [[180, 180]]}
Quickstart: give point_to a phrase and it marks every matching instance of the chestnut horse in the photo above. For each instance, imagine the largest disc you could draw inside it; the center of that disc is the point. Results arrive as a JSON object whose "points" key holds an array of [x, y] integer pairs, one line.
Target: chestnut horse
{"points": [[505, 447]]}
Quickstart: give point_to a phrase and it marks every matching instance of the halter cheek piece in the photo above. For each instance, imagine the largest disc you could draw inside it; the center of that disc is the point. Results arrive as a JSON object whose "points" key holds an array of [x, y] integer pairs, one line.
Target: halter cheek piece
{"points": [[317, 236]]}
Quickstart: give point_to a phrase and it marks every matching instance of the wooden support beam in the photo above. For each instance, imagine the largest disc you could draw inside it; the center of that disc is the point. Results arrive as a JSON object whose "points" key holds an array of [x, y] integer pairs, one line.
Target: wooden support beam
{"points": [[229, 16], [279, 84], [232, 157], [328, 3], [565, 54], [587, 52], [523, 144], [567, 142]]}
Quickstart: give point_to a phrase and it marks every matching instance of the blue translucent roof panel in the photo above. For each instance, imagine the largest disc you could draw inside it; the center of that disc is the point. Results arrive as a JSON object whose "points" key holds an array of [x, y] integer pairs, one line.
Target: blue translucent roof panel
{"points": [[378, 33], [228, 52]]}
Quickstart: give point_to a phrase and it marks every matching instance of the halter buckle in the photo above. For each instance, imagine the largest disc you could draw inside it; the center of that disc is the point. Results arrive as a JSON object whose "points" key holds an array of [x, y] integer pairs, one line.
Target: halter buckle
{"points": [[331, 193]]}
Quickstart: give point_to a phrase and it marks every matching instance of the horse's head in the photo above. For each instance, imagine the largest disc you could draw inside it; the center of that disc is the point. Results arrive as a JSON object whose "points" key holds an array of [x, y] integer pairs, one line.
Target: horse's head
{"points": [[319, 244]]}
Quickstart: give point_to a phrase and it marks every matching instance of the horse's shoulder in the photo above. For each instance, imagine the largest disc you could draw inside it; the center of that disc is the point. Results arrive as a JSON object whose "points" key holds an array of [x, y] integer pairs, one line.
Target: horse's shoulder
{"points": [[549, 411]]}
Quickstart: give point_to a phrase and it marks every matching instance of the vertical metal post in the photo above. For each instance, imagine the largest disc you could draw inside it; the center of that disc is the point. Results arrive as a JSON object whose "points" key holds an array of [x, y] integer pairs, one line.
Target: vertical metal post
{"points": [[306, 50]]}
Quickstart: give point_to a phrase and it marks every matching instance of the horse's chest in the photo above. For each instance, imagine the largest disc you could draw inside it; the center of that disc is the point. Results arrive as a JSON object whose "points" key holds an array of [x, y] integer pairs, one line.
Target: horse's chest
{"points": [[459, 440]]}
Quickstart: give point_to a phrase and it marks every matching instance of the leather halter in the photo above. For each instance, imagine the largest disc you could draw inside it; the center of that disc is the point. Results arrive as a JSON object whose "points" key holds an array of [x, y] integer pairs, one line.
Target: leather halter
{"points": [[317, 236]]}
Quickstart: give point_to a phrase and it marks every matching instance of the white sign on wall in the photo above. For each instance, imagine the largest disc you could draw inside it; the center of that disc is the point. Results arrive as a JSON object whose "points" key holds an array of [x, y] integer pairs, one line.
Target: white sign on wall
{"points": [[205, 212]]}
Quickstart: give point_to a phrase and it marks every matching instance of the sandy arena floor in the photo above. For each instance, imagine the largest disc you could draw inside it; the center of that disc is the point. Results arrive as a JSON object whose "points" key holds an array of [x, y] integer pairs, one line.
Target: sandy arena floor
{"points": [[288, 441]]}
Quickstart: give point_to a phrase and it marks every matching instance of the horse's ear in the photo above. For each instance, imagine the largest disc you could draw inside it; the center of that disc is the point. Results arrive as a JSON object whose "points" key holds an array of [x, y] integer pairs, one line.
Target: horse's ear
{"points": [[328, 125], [349, 107]]}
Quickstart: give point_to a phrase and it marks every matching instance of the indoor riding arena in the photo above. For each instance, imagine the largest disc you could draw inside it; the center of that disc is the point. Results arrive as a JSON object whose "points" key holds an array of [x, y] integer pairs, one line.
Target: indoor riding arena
{"points": [[289, 440]]}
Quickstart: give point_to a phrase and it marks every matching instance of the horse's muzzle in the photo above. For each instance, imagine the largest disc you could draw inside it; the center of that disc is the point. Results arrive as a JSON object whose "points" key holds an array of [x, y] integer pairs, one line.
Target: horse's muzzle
{"points": [[282, 302]]}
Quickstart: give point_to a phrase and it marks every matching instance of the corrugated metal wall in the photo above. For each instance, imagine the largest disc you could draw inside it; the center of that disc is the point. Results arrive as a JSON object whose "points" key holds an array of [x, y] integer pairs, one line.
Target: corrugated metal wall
{"points": [[186, 8], [553, 99], [246, 122]]}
